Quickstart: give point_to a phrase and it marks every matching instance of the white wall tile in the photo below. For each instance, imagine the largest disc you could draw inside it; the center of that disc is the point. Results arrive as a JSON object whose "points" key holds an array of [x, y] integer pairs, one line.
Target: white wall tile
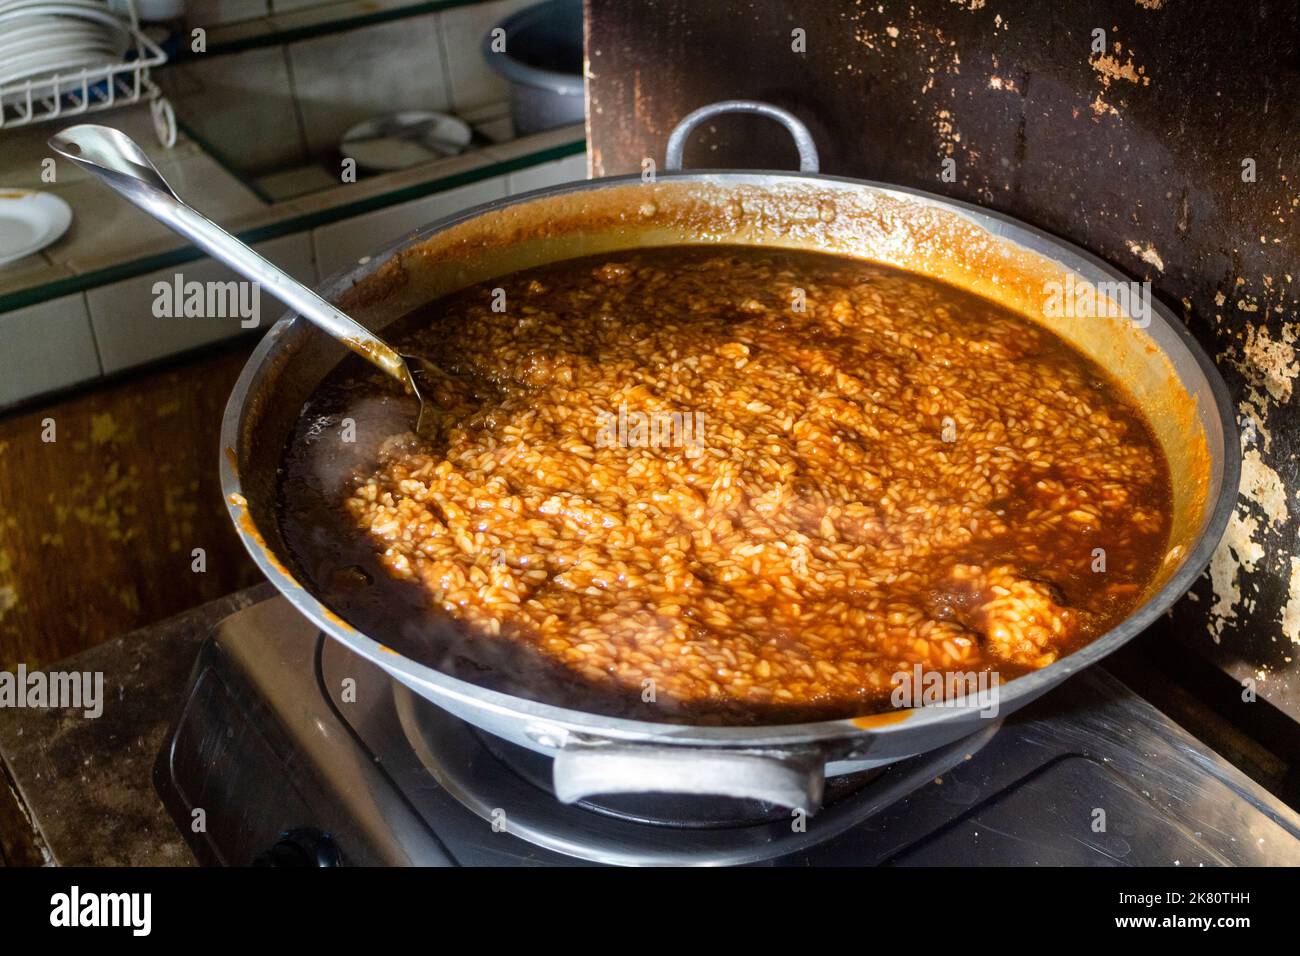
{"points": [[129, 334], [206, 13], [344, 78], [46, 346], [341, 244], [566, 170], [241, 105], [473, 82]]}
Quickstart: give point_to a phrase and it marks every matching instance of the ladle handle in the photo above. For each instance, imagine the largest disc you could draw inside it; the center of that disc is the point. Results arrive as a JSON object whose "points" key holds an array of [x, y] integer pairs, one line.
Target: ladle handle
{"points": [[115, 159]]}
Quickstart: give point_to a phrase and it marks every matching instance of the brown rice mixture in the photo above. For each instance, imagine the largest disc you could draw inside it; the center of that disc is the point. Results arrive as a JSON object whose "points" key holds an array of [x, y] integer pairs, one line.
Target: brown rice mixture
{"points": [[842, 471]]}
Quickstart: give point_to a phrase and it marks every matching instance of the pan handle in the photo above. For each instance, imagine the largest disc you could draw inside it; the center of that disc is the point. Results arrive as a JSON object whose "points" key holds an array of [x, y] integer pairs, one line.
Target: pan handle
{"points": [[792, 779], [803, 141]]}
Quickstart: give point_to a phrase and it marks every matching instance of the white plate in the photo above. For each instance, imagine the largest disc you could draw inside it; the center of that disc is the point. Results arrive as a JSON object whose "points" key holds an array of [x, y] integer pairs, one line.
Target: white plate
{"points": [[38, 45], [30, 221], [54, 55], [97, 6], [21, 33], [48, 47], [59, 63], [12, 14], [52, 50], [20, 37], [445, 136]]}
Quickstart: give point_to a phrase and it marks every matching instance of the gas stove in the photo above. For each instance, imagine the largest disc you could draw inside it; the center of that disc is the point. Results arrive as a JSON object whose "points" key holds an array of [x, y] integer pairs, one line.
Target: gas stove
{"points": [[292, 750]]}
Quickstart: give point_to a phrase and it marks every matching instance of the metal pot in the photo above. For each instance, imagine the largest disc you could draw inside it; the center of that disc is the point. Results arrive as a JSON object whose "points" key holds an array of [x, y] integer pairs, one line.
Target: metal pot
{"points": [[542, 62], [1163, 368]]}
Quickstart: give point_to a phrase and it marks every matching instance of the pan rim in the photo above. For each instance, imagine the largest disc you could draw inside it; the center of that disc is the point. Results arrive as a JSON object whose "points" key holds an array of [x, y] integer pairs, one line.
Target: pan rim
{"points": [[562, 722]]}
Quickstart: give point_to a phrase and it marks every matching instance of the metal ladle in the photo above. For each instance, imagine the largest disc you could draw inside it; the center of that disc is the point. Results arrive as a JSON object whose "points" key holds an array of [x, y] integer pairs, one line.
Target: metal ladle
{"points": [[115, 159]]}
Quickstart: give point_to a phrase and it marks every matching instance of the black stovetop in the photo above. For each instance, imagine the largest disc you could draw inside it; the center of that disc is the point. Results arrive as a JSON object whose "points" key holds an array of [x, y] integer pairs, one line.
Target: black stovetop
{"points": [[268, 743]]}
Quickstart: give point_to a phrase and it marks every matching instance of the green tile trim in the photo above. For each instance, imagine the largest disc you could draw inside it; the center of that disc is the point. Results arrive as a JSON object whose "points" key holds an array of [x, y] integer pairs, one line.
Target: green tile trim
{"points": [[295, 224], [307, 31]]}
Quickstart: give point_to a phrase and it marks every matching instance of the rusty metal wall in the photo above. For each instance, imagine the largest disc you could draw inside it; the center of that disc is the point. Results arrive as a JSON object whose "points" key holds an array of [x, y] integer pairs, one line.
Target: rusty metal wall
{"points": [[1168, 144]]}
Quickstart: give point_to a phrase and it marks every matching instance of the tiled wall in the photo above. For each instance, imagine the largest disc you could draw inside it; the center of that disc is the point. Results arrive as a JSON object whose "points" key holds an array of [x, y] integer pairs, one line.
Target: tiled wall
{"points": [[207, 13], [278, 106], [47, 346], [341, 244], [211, 96], [75, 339], [212, 12], [262, 109], [128, 334]]}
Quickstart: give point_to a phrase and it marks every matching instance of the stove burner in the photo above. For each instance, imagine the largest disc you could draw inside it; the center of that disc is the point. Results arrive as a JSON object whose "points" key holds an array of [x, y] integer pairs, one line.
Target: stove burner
{"points": [[668, 810], [509, 786], [286, 732]]}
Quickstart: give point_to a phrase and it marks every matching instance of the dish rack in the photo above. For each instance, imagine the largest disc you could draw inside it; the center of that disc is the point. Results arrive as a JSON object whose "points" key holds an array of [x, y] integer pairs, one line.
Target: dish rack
{"points": [[95, 88]]}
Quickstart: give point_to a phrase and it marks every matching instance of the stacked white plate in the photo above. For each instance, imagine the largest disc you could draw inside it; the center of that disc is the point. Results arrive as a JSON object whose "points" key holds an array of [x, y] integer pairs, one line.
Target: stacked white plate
{"points": [[30, 221], [40, 39]]}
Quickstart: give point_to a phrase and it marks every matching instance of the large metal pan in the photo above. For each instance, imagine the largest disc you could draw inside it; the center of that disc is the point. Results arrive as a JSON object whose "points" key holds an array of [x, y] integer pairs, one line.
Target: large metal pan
{"points": [[992, 255]]}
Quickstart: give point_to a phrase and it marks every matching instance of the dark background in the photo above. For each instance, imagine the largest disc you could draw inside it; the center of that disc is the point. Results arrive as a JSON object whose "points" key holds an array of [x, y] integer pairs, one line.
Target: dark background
{"points": [[1135, 154]]}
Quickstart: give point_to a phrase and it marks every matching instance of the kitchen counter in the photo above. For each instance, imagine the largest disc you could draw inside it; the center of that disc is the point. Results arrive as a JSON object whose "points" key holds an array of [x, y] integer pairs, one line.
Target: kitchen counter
{"points": [[105, 231], [83, 309], [110, 240], [83, 787]]}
